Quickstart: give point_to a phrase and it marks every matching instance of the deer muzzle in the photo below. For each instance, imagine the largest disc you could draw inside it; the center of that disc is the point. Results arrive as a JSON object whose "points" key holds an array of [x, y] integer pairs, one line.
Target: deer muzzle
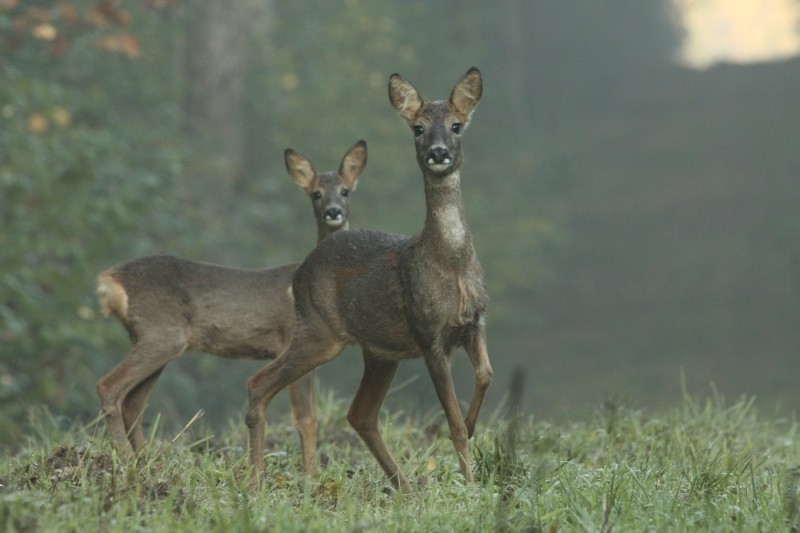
{"points": [[334, 216], [438, 158]]}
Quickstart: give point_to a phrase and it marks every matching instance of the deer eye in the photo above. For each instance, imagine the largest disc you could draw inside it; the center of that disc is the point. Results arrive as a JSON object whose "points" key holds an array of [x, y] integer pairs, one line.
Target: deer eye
{"points": [[317, 195], [417, 130], [456, 127], [345, 192]]}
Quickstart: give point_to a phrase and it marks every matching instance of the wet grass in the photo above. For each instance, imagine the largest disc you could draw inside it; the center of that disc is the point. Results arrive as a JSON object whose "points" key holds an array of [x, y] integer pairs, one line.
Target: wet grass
{"points": [[703, 466]]}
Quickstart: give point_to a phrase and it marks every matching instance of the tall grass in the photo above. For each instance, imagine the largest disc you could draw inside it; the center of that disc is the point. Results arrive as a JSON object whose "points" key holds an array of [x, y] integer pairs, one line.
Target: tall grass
{"points": [[703, 466]]}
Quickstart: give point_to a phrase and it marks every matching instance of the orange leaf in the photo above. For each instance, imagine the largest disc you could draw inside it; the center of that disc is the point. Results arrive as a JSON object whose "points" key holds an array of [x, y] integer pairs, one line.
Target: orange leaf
{"points": [[130, 45], [37, 123], [61, 117], [431, 465], [106, 12], [120, 44]]}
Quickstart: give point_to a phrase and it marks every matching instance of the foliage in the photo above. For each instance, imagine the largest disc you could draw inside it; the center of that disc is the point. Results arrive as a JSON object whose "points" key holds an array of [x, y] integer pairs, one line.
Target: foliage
{"points": [[704, 466], [100, 162], [327, 80], [630, 216], [78, 173]]}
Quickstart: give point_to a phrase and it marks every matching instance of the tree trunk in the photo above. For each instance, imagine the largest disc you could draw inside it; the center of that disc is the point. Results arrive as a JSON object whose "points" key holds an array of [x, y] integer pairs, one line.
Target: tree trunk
{"points": [[213, 57]]}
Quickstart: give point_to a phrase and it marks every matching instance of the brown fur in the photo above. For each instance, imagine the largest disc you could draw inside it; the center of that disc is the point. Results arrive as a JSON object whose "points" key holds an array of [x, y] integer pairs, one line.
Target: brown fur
{"points": [[392, 260], [168, 305], [468, 294], [397, 297], [343, 275]]}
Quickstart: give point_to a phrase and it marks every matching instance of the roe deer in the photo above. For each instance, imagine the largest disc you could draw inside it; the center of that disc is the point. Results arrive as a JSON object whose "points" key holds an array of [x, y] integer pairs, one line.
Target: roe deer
{"points": [[169, 305], [398, 297]]}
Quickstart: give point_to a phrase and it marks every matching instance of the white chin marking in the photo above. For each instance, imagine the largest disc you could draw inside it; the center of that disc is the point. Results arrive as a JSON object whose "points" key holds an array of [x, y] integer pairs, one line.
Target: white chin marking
{"points": [[334, 222], [438, 167]]}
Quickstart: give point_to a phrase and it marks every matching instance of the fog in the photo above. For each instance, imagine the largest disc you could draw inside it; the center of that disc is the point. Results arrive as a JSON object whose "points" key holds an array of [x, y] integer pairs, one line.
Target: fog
{"points": [[635, 214]]}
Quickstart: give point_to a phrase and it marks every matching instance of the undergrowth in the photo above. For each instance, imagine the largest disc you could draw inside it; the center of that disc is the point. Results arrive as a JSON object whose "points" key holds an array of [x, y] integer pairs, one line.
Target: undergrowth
{"points": [[703, 466]]}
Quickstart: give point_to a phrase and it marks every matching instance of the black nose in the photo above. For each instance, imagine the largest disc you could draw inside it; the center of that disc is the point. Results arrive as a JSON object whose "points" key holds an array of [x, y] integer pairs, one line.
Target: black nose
{"points": [[333, 213], [439, 156]]}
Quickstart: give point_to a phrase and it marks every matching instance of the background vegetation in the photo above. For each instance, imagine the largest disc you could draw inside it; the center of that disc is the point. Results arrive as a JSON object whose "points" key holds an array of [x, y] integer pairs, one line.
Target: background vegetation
{"points": [[632, 216]]}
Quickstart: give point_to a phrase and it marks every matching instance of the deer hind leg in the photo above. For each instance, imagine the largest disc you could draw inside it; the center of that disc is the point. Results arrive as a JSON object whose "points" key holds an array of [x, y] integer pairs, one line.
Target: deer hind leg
{"points": [[363, 414], [439, 368], [308, 349], [478, 355], [142, 361], [304, 413], [132, 407]]}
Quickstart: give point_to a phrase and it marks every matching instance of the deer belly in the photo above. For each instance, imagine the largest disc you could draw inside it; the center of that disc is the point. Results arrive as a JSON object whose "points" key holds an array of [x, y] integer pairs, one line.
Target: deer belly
{"points": [[384, 333], [262, 341], [379, 322]]}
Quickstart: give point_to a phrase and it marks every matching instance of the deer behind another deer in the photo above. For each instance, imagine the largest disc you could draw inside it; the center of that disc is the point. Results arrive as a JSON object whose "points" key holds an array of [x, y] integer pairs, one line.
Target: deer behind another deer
{"points": [[169, 305]]}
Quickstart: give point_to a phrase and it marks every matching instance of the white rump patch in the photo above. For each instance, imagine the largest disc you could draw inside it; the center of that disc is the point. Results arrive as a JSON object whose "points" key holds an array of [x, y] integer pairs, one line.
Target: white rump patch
{"points": [[112, 295]]}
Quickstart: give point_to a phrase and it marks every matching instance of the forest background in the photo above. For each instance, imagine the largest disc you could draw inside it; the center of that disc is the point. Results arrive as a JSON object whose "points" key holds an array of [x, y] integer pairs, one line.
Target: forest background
{"points": [[635, 218]]}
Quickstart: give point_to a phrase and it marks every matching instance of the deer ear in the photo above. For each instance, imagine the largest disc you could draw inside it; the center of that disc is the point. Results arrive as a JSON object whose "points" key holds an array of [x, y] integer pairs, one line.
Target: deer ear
{"points": [[300, 169], [353, 164], [404, 97], [467, 92]]}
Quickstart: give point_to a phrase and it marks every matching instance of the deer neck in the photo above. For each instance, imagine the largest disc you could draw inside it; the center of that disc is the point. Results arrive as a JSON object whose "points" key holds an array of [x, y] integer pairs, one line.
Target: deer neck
{"points": [[445, 228], [324, 230]]}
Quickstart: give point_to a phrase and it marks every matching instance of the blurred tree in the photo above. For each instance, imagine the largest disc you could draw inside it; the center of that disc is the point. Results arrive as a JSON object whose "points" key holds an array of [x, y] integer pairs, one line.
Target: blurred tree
{"points": [[213, 56], [580, 54], [159, 125]]}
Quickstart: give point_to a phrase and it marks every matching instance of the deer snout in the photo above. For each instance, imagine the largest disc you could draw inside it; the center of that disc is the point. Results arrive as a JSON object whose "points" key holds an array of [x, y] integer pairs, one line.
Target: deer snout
{"points": [[438, 155], [334, 216]]}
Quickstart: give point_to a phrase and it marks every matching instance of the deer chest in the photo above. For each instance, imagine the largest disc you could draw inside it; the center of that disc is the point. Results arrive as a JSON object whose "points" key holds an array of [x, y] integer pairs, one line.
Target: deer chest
{"points": [[443, 297]]}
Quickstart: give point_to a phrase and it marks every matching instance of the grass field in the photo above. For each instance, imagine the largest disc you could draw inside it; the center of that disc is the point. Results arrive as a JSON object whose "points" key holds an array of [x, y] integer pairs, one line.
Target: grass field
{"points": [[702, 466]]}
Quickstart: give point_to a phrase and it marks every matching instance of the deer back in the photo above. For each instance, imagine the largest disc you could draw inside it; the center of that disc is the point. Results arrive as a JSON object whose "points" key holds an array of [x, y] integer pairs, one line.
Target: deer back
{"points": [[230, 312]]}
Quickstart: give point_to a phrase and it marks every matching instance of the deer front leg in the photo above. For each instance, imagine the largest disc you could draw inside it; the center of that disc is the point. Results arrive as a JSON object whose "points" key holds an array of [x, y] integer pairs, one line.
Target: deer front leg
{"points": [[132, 408], [308, 350], [478, 355], [304, 413], [439, 369], [364, 411]]}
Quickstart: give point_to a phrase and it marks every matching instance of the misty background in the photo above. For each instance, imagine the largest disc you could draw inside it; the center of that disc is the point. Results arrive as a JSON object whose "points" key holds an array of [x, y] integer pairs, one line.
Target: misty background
{"points": [[632, 196]]}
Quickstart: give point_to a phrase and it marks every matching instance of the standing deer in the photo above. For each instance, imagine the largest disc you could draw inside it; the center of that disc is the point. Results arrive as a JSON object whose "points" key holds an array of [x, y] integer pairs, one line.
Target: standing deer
{"points": [[398, 297], [169, 305]]}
